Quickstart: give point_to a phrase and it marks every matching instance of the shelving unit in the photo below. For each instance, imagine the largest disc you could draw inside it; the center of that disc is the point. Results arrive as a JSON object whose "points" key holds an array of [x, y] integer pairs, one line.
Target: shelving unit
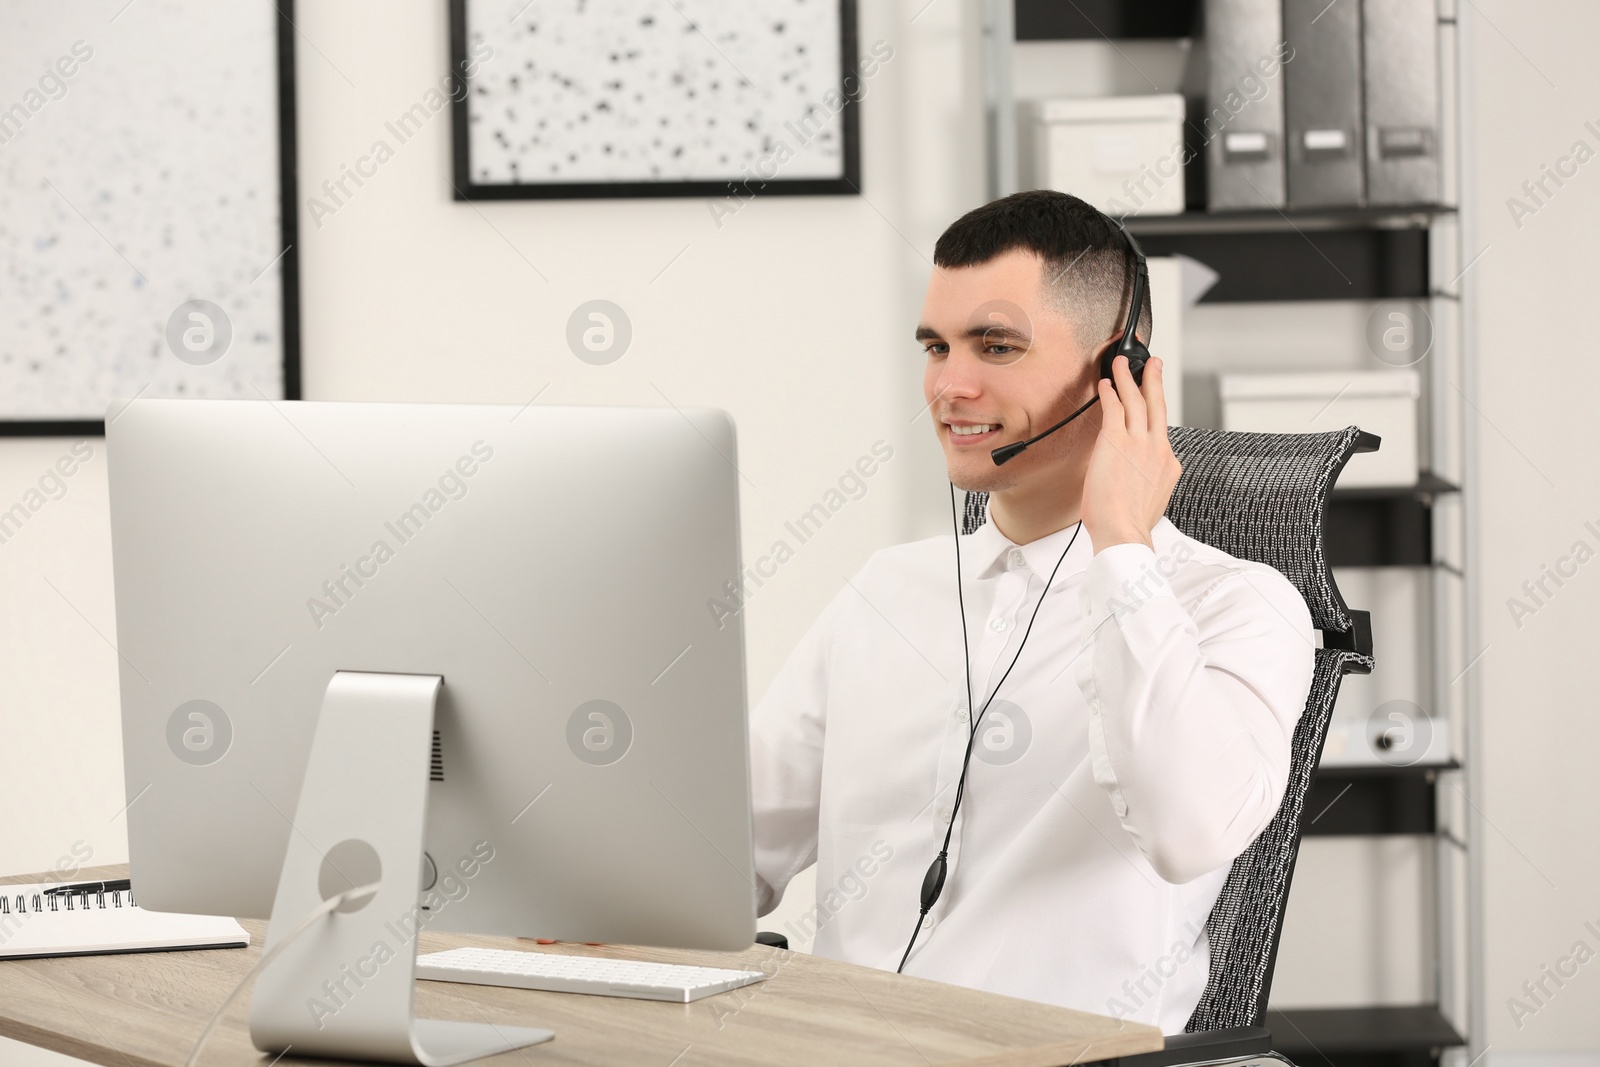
{"points": [[1412, 253]]}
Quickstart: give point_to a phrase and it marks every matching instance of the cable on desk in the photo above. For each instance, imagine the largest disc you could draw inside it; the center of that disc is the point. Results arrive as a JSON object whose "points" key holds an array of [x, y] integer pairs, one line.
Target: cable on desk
{"points": [[317, 913]]}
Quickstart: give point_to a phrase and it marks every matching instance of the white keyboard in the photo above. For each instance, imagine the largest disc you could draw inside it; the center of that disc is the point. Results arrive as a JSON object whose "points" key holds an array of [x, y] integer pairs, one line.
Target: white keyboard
{"points": [[558, 973]]}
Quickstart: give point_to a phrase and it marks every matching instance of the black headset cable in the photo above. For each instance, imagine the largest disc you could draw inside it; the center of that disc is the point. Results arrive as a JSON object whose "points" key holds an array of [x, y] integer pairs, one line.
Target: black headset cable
{"points": [[933, 881]]}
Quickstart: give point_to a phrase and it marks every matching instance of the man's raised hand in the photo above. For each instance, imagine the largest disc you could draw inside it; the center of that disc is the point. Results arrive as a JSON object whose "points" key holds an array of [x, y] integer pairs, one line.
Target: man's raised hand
{"points": [[1132, 470]]}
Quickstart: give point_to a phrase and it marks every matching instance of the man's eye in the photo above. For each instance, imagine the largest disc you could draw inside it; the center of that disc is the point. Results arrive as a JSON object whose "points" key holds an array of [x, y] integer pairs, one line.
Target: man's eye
{"points": [[936, 348], [1000, 350]]}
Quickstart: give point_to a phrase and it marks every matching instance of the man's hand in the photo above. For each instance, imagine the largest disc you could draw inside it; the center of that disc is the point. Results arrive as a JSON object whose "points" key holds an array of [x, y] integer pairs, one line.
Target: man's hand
{"points": [[1132, 469]]}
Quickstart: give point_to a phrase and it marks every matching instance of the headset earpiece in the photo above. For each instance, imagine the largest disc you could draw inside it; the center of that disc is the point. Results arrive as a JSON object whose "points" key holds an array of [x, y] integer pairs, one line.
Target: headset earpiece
{"points": [[1138, 355]]}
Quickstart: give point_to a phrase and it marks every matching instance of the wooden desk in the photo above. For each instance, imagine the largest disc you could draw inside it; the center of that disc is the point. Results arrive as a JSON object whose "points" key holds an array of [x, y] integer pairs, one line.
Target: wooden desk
{"points": [[146, 1009]]}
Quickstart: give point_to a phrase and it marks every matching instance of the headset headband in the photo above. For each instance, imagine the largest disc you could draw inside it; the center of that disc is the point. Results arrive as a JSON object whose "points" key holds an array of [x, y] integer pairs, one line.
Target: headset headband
{"points": [[1141, 287]]}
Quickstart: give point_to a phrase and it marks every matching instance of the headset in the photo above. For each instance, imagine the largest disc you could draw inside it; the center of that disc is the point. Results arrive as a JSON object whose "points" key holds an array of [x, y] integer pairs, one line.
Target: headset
{"points": [[1138, 355]]}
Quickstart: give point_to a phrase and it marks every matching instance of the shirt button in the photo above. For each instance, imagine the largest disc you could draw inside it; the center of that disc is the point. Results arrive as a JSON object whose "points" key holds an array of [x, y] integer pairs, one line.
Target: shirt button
{"points": [[927, 922], [997, 625], [944, 813], [961, 713], [1018, 559]]}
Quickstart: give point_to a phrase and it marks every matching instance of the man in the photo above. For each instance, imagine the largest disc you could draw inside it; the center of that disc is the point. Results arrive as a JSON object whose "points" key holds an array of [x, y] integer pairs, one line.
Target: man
{"points": [[1140, 740]]}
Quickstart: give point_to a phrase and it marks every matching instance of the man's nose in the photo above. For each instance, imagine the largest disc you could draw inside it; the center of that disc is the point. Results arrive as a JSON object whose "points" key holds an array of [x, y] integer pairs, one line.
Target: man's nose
{"points": [[959, 378]]}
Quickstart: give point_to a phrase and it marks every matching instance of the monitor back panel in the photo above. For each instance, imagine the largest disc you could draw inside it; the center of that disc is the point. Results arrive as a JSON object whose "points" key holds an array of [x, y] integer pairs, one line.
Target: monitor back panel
{"points": [[559, 567]]}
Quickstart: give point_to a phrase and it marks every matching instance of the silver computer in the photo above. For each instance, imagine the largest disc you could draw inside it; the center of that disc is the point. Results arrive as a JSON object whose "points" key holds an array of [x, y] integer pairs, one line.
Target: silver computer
{"points": [[489, 634]]}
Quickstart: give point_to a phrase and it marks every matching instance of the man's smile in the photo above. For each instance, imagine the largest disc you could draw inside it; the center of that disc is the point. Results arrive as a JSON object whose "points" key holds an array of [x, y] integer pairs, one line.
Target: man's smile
{"points": [[966, 433]]}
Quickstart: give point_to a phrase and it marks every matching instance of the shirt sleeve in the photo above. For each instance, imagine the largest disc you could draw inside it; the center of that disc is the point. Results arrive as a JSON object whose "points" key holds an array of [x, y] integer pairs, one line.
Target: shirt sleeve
{"points": [[786, 735], [1192, 711]]}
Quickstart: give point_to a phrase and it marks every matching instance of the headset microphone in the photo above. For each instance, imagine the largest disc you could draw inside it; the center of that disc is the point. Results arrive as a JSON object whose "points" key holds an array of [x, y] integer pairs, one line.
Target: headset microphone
{"points": [[1129, 345]]}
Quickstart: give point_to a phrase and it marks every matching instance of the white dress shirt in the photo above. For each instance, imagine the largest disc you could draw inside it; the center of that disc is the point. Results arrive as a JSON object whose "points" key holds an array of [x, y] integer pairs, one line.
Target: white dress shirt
{"points": [[1139, 745]]}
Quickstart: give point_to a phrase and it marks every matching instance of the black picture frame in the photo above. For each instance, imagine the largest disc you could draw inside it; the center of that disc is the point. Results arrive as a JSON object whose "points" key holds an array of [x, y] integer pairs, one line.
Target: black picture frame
{"points": [[288, 198], [848, 184]]}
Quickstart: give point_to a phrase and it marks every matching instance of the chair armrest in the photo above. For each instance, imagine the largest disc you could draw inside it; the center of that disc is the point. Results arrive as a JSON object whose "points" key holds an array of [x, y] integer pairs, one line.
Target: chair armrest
{"points": [[768, 937], [1205, 1046]]}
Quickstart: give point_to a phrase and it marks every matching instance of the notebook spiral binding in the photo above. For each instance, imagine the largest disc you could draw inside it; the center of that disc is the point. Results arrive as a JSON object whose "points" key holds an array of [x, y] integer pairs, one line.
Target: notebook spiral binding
{"points": [[119, 898]]}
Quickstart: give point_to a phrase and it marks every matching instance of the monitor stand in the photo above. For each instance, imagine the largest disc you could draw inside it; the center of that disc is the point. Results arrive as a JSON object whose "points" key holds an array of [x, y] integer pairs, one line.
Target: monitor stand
{"points": [[344, 988]]}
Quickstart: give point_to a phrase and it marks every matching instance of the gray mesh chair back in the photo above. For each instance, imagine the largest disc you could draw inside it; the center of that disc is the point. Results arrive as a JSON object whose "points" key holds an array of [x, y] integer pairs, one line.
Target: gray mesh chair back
{"points": [[1261, 497]]}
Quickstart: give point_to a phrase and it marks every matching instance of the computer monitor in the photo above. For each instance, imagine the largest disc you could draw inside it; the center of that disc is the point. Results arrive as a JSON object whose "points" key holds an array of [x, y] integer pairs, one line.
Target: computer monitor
{"points": [[288, 572]]}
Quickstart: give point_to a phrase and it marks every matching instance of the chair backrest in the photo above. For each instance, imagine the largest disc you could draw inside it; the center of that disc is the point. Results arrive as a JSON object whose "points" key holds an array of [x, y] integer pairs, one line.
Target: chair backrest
{"points": [[1262, 497]]}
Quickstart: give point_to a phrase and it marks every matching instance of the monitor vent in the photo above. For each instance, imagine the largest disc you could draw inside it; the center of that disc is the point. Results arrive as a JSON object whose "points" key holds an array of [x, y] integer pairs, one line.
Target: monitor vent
{"points": [[436, 767]]}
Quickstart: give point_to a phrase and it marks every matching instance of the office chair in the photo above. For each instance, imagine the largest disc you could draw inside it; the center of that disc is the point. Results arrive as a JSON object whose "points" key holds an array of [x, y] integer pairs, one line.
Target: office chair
{"points": [[1262, 497]]}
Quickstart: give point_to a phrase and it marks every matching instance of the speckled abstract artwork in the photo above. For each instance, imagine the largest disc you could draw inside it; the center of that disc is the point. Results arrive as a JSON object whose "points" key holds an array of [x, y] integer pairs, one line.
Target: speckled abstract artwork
{"points": [[138, 172], [596, 91]]}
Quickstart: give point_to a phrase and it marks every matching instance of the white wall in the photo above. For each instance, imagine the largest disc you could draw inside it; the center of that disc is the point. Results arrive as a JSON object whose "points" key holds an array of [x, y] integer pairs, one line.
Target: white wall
{"points": [[61, 759], [1536, 85]]}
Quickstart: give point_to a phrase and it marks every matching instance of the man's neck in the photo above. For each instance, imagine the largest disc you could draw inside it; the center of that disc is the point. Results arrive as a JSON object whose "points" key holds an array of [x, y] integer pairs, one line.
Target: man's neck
{"points": [[1025, 515]]}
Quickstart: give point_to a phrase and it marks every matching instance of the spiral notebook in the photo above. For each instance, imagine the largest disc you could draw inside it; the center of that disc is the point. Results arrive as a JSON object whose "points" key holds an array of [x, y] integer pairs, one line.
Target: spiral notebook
{"points": [[33, 925]]}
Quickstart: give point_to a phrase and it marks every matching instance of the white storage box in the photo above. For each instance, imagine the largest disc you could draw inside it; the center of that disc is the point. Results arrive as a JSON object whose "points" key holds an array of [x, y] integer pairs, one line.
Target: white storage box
{"points": [[1380, 402], [1123, 154]]}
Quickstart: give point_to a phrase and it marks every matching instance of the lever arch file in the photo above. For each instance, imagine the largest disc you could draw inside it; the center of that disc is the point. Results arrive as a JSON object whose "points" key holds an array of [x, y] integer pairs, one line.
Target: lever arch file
{"points": [[1324, 134], [1400, 41]]}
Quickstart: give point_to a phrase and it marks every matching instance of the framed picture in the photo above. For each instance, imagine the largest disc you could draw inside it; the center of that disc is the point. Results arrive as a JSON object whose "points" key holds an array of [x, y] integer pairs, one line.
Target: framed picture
{"points": [[637, 98], [147, 188]]}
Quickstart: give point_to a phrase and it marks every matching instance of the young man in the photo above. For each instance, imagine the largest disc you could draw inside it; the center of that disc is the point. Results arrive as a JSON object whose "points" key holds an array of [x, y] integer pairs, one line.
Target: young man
{"points": [[1140, 739]]}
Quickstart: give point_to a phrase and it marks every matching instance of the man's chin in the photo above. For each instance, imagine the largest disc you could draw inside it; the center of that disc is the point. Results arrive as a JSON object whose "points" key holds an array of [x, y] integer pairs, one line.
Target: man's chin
{"points": [[979, 475]]}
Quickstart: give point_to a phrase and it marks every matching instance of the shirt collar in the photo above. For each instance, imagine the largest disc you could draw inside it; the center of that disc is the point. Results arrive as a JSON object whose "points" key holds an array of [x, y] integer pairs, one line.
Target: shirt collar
{"points": [[986, 552]]}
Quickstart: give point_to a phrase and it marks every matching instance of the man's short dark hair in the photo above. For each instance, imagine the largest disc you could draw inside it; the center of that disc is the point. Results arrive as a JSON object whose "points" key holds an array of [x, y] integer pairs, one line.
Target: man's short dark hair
{"points": [[1088, 266]]}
